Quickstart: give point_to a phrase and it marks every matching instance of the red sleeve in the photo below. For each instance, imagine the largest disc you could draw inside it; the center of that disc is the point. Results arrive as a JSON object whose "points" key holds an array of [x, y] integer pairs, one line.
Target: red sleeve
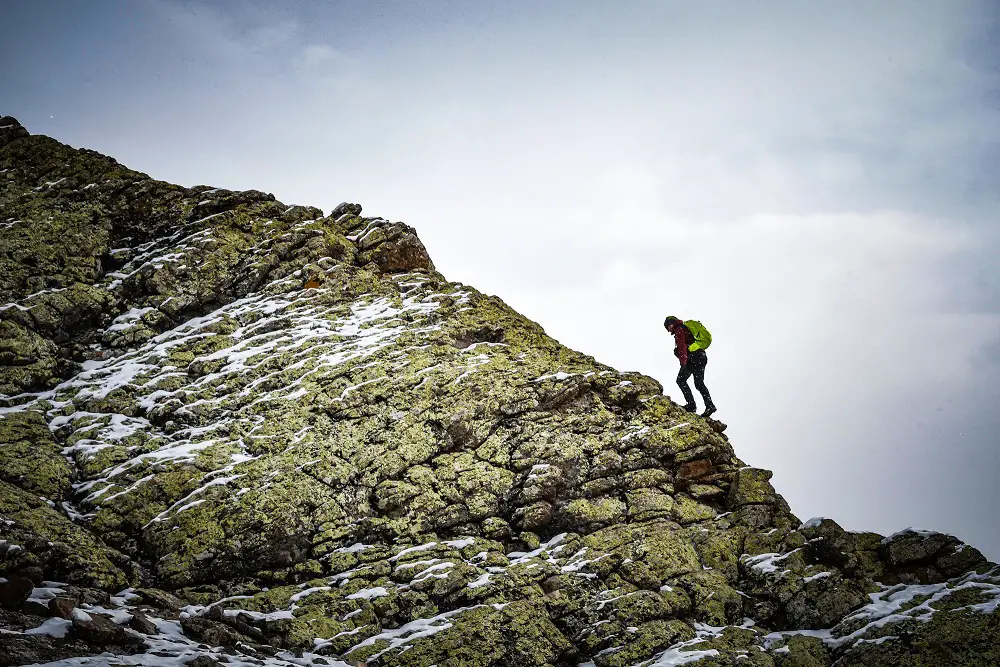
{"points": [[682, 348]]}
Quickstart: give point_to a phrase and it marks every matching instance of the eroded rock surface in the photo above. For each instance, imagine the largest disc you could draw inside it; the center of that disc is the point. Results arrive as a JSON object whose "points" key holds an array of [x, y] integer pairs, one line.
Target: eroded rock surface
{"points": [[235, 431]]}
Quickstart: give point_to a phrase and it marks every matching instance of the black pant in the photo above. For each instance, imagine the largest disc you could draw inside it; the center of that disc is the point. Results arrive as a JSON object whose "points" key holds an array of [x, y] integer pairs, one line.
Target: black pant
{"points": [[695, 366]]}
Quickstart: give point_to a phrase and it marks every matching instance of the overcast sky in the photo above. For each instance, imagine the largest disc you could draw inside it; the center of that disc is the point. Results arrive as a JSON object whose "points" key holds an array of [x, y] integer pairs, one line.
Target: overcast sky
{"points": [[818, 183]]}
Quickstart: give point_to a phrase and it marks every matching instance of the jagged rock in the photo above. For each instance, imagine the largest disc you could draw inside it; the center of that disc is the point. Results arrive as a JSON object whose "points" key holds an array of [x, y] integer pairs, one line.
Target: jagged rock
{"points": [[66, 551], [829, 543], [911, 547], [28, 360], [140, 623], [801, 651], [62, 607], [14, 592], [31, 458], [83, 595], [716, 425], [345, 208], [958, 558], [159, 599], [212, 633], [10, 130], [35, 608], [953, 638], [290, 428], [401, 252], [751, 487], [695, 469], [823, 602], [98, 629]]}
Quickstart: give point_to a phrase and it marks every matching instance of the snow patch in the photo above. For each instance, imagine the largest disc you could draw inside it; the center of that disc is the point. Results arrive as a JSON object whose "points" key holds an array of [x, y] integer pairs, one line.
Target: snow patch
{"points": [[368, 593], [53, 627]]}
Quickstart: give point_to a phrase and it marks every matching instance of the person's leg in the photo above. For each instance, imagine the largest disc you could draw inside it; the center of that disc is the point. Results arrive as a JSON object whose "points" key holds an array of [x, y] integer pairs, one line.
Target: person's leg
{"points": [[699, 382], [682, 382]]}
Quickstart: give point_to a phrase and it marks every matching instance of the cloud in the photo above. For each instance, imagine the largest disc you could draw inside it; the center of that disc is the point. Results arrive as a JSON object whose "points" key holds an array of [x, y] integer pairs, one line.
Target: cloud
{"points": [[272, 53], [873, 104], [817, 183]]}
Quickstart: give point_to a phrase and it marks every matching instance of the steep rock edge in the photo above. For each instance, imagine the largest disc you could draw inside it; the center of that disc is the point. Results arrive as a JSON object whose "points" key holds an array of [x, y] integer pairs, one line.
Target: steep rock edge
{"points": [[281, 437]]}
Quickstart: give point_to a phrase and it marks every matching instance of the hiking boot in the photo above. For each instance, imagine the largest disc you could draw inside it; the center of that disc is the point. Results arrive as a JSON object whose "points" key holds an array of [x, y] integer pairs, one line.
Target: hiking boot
{"points": [[691, 407], [709, 411]]}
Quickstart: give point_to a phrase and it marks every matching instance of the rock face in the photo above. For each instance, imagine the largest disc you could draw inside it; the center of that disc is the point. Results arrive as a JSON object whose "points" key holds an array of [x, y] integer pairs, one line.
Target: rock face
{"points": [[283, 436]]}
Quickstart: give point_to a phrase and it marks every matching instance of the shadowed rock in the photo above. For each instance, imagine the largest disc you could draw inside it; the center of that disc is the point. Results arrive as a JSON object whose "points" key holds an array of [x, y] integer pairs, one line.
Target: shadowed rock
{"points": [[14, 592]]}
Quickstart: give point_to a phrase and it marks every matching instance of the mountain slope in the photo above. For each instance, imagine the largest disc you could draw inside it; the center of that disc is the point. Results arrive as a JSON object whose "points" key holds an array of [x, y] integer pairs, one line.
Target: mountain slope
{"points": [[246, 431]]}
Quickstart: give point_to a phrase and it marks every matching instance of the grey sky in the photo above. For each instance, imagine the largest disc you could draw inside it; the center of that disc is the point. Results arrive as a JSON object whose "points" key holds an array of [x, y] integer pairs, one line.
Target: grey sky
{"points": [[819, 183]]}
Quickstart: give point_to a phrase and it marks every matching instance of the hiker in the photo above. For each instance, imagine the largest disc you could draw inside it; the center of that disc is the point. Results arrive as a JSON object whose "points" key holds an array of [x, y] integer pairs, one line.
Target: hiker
{"points": [[691, 339]]}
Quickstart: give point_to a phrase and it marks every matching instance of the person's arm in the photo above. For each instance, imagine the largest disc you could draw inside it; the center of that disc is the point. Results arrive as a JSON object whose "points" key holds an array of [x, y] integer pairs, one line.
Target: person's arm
{"points": [[681, 342]]}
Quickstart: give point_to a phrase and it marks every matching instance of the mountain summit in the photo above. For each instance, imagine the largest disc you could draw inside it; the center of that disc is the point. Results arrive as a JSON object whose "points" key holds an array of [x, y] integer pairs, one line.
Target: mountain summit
{"points": [[238, 432]]}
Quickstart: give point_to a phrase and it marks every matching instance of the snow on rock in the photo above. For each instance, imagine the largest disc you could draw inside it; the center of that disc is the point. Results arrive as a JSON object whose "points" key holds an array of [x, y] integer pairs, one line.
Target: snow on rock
{"points": [[53, 627], [368, 593]]}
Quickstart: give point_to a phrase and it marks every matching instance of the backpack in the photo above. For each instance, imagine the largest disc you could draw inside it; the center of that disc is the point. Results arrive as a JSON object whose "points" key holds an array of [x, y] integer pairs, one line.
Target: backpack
{"points": [[702, 338]]}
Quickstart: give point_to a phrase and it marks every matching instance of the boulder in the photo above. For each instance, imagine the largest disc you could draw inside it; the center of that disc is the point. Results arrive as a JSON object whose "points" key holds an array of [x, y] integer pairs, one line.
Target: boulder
{"points": [[828, 543], [14, 591], [159, 599], [140, 623], [62, 607], [911, 546], [751, 487], [98, 629], [35, 608], [10, 130], [212, 633]]}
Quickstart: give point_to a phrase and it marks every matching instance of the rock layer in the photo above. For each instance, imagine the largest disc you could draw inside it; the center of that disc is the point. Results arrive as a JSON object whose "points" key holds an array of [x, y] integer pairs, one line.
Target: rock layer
{"points": [[234, 430]]}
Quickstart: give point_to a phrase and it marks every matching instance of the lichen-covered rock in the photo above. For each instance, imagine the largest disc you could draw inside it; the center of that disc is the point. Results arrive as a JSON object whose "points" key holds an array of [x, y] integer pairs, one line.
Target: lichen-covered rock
{"points": [[31, 458], [28, 360], [230, 423], [801, 651], [956, 639], [751, 486], [913, 546], [36, 534]]}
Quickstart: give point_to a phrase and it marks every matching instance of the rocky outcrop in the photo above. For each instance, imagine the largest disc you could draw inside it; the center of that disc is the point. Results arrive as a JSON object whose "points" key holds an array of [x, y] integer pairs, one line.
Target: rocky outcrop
{"points": [[233, 430]]}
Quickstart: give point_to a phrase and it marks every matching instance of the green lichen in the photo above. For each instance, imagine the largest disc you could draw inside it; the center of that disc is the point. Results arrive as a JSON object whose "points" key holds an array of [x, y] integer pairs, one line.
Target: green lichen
{"points": [[30, 458], [70, 553]]}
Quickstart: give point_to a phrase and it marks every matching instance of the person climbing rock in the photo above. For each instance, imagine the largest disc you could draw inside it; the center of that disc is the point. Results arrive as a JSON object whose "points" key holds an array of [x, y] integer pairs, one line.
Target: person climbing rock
{"points": [[691, 340]]}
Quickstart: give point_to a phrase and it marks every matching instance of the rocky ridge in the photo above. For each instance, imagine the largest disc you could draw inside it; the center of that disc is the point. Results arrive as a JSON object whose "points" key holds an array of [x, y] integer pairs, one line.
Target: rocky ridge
{"points": [[235, 431]]}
